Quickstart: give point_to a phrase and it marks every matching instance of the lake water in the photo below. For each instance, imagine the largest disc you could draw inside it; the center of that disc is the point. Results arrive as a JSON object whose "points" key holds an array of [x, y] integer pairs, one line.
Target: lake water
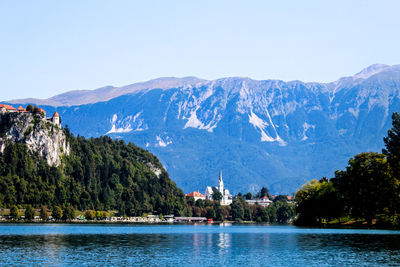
{"points": [[196, 245]]}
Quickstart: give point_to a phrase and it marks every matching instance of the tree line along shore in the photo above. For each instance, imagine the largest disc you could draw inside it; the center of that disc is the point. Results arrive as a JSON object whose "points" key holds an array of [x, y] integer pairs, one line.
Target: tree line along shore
{"points": [[281, 210], [366, 193]]}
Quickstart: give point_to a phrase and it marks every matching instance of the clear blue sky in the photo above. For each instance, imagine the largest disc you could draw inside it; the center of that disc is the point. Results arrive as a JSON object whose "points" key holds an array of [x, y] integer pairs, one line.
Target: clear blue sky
{"points": [[49, 47]]}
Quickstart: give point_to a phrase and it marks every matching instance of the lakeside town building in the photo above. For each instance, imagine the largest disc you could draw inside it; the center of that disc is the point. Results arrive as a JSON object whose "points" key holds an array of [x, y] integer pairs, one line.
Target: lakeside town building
{"points": [[226, 196]]}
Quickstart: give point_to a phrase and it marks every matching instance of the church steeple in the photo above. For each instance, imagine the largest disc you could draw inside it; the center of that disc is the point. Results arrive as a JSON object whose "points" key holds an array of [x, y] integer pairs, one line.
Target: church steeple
{"points": [[221, 183]]}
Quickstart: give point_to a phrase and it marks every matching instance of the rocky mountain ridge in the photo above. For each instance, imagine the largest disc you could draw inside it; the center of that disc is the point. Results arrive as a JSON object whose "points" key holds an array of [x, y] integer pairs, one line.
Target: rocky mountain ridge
{"points": [[81, 97], [260, 133]]}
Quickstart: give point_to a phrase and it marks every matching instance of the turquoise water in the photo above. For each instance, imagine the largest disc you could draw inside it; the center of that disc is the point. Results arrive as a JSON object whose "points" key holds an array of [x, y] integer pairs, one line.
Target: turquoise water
{"points": [[196, 245]]}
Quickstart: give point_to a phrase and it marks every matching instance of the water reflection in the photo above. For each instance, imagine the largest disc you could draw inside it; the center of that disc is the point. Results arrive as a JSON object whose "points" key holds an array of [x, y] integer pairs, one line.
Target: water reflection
{"points": [[224, 240], [208, 245]]}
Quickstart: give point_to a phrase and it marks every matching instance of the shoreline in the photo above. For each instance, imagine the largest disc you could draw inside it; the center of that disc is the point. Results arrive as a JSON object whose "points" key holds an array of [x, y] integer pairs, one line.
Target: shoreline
{"points": [[216, 223]]}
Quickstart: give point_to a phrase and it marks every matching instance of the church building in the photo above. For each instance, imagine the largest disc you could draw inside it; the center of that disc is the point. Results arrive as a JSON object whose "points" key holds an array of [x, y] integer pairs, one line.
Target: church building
{"points": [[226, 196]]}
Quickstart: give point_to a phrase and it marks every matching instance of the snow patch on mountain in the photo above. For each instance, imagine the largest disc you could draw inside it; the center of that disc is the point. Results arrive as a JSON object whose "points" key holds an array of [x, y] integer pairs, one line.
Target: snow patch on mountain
{"points": [[278, 138], [114, 129], [127, 124], [260, 124], [354, 112], [194, 122], [163, 143], [138, 123], [256, 121], [119, 130]]}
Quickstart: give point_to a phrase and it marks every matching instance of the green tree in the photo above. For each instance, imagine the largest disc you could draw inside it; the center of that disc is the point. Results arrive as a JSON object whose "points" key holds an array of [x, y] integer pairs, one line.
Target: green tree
{"points": [[44, 214], [264, 216], [272, 213], [29, 213], [223, 212], [210, 213], [392, 152], [367, 186], [216, 196], [14, 213], [98, 215], [247, 214], [248, 196], [29, 108], [280, 198], [102, 215], [190, 201], [284, 211], [90, 215], [69, 213], [57, 213], [308, 204], [264, 192], [196, 211], [392, 145], [200, 203], [35, 109], [237, 209]]}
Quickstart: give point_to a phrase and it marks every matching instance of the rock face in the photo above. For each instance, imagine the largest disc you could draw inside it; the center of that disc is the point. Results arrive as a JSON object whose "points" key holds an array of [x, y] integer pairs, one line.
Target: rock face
{"points": [[42, 137]]}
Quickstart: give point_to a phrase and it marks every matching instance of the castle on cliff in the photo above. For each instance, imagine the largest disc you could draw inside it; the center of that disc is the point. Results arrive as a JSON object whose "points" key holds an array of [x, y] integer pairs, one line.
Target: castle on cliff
{"points": [[55, 119]]}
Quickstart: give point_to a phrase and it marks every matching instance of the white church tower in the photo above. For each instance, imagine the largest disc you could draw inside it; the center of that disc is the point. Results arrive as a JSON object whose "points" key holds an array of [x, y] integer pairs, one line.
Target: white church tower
{"points": [[221, 183]]}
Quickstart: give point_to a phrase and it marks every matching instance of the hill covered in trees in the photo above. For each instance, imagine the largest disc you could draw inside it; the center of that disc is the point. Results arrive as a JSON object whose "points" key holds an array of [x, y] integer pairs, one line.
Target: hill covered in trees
{"points": [[97, 173]]}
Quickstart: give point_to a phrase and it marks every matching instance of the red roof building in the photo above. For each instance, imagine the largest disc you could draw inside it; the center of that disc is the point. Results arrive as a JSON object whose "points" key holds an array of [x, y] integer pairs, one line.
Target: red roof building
{"points": [[56, 114], [196, 195]]}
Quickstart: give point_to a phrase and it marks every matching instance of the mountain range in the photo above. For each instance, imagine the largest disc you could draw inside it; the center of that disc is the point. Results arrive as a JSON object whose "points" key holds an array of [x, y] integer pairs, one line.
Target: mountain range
{"points": [[260, 133]]}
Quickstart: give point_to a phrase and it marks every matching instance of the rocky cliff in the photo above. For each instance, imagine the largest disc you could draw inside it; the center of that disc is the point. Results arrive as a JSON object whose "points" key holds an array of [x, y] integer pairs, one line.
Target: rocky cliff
{"points": [[41, 136]]}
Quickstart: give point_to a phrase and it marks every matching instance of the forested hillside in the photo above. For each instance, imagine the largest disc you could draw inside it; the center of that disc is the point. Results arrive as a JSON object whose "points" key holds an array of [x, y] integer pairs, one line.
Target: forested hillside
{"points": [[99, 173]]}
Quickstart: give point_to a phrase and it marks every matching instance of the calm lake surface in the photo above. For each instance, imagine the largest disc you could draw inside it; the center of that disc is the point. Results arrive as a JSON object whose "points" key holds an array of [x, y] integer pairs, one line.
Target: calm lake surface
{"points": [[196, 245]]}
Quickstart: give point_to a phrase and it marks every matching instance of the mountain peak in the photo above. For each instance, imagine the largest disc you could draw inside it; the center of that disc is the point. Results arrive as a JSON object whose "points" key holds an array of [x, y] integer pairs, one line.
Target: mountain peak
{"points": [[371, 70]]}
